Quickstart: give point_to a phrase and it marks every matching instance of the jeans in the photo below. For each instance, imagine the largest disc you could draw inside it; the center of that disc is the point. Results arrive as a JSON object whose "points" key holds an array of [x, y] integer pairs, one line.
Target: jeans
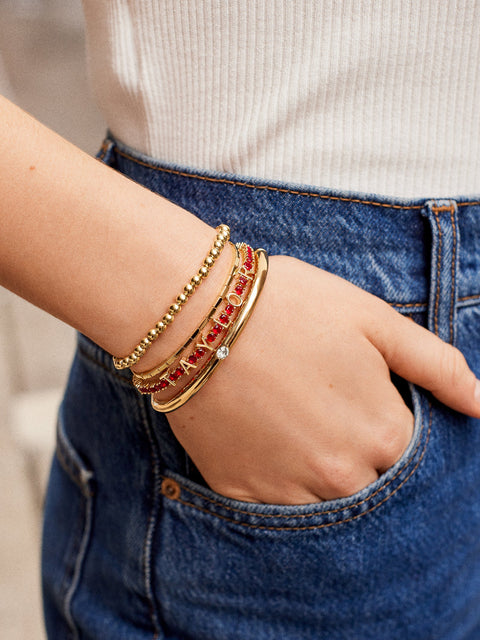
{"points": [[136, 546]]}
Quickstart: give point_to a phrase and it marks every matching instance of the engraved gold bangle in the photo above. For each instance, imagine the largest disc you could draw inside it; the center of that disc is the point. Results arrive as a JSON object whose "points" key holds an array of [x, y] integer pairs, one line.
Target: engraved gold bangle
{"points": [[222, 237], [139, 379], [197, 383]]}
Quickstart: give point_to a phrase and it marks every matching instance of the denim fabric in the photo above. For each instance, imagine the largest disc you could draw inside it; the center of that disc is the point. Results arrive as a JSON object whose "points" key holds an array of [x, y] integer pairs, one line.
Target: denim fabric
{"points": [[136, 546]]}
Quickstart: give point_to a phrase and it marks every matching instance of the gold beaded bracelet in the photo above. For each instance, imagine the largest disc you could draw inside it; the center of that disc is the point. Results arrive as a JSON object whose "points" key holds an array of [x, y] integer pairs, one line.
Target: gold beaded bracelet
{"points": [[222, 237], [237, 326]]}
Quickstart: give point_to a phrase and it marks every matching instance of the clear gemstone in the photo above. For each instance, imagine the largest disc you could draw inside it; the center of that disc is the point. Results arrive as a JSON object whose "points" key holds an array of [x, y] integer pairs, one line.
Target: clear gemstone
{"points": [[222, 352]]}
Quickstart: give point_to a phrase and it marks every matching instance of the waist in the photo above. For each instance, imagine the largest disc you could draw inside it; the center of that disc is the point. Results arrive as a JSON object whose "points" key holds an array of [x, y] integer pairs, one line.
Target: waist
{"points": [[381, 244]]}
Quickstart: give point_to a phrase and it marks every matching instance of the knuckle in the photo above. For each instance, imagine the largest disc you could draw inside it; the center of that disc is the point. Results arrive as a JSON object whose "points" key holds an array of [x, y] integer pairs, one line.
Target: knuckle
{"points": [[396, 436], [453, 364], [341, 476]]}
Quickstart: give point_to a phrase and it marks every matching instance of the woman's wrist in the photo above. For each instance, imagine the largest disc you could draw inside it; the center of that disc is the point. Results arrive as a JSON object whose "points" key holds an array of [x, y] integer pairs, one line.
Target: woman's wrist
{"points": [[190, 315]]}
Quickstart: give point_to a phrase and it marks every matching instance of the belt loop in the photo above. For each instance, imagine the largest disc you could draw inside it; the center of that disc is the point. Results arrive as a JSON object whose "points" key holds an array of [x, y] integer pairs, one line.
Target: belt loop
{"points": [[106, 150], [443, 218]]}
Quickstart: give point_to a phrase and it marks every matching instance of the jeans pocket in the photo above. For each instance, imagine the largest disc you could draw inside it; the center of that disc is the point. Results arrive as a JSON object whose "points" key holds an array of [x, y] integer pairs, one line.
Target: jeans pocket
{"points": [[225, 568], [67, 527], [182, 493]]}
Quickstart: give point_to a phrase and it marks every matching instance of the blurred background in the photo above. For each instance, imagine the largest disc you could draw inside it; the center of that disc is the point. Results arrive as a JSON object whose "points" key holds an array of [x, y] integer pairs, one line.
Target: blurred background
{"points": [[43, 70]]}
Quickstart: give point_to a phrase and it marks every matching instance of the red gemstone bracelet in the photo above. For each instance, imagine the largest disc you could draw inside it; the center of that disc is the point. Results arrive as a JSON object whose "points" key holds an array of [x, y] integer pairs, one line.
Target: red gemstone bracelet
{"points": [[195, 354]]}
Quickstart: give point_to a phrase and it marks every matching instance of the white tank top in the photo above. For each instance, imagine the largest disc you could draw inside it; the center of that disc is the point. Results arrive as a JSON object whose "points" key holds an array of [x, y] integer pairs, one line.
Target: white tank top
{"points": [[380, 97]]}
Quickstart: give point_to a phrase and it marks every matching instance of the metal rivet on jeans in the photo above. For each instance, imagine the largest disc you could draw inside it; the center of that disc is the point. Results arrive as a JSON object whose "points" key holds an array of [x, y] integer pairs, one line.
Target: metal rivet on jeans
{"points": [[170, 488]]}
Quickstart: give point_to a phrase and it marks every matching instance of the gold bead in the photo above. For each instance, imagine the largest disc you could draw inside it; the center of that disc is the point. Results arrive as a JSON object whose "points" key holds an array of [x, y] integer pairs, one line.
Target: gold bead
{"points": [[167, 318], [188, 289], [204, 271], [152, 334], [181, 299], [174, 308], [208, 261], [197, 279], [214, 252], [160, 326], [145, 342], [139, 349], [219, 244]]}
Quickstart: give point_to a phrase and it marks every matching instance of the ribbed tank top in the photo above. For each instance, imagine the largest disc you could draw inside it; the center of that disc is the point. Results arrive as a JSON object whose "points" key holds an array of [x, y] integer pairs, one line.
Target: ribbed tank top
{"points": [[358, 95]]}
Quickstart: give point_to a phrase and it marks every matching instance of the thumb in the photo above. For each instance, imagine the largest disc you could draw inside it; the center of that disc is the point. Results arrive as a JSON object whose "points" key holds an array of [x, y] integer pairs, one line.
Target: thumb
{"points": [[418, 355]]}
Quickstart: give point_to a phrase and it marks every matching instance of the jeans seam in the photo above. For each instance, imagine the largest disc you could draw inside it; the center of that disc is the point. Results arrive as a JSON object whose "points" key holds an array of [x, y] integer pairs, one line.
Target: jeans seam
{"points": [[317, 513], [453, 272], [265, 187], [80, 558], [152, 520], [439, 257]]}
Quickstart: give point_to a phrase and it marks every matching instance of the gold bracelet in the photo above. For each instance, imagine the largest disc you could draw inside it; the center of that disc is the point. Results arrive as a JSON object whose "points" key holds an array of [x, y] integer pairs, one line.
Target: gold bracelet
{"points": [[197, 383], [140, 379], [187, 359], [222, 237]]}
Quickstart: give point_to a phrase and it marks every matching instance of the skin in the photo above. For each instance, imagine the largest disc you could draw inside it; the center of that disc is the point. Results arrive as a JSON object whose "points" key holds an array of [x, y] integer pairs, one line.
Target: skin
{"points": [[289, 417]]}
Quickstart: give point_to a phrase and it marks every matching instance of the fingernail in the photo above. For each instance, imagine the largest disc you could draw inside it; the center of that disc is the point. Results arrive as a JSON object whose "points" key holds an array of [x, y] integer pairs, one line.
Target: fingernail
{"points": [[477, 391]]}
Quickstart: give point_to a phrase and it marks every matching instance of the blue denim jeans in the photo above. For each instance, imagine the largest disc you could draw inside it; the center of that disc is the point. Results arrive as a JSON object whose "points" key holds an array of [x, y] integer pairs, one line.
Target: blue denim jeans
{"points": [[136, 546]]}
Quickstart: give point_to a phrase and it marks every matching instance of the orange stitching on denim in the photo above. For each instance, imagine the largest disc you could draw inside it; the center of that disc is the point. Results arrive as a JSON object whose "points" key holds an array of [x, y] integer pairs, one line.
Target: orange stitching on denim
{"points": [[424, 304], [313, 513], [325, 524], [264, 187], [452, 295], [103, 150], [187, 174], [239, 183], [468, 204], [475, 296], [439, 254], [407, 304], [443, 208]]}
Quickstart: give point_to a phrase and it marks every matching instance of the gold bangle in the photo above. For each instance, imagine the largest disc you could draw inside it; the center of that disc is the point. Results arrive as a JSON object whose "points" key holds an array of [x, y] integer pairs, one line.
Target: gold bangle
{"points": [[197, 383], [139, 379], [222, 237]]}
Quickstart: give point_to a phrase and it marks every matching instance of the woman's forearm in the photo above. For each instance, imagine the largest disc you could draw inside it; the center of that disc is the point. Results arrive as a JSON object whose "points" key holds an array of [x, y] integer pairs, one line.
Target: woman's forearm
{"points": [[92, 247]]}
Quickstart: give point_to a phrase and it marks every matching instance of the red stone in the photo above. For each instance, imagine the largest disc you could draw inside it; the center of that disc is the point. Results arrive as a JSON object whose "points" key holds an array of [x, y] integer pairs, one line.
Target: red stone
{"points": [[247, 264], [242, 280], [229, 309], [211, 337], [163, 384], [176, 374], [192, 359], [217, 329], [199, 352], [239, 290], [223, 319]]}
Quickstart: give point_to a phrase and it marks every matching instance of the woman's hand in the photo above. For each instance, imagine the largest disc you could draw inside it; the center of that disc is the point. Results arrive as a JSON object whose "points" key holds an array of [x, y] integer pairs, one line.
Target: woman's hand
{"points": [[304, 409]]}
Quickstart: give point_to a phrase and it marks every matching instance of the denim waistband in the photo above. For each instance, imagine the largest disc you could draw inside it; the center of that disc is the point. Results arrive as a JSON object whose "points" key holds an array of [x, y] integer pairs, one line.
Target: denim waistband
{"points": [[422, 256]]}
